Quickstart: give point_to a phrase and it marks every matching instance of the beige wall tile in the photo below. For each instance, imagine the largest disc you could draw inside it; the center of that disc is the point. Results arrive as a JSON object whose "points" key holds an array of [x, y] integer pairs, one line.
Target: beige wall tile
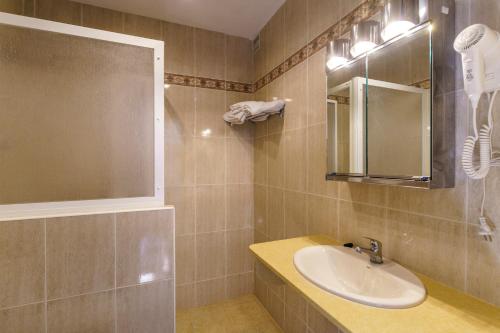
{"points": [[179, 161], [87, 313], [179, 111], [276, 160], [211, 291], [239, 285], [238, 256], [12, 7], [261, 290], [210, 53], [272, 281], [318, 323], [147, 308], [276, 308], [274, 38], [296, 95], [293, 323], [210, 208], [185, 296], [183, 199], [364, 193], [143, 26], [295, 163], [210, 160], [29, 318], [240, 206], [483, 270], [101, 18], [322, 14], [295, 26], [316, 163], [295, 214], [276, 213], [296, 303], [322, 216], [358, 220], [260, 237], [179, 48], [144, 247], [260, 209], [239, 59], [22, 257], [260, 56], [240, 167], [210, 255], [60, 11], [185, 259], [210, 106], [80, 255], [260, 161], [444, 203], [428, 245], [316, 88]]}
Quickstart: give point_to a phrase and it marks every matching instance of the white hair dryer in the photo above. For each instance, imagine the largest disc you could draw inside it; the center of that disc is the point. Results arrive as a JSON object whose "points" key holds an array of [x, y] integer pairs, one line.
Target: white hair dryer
{"points": [[480, 50]]}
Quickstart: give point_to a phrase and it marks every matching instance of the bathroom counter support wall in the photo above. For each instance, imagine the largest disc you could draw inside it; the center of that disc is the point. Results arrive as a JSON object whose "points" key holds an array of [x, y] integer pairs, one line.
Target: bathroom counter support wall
{"points": [[444, 310], [106, 271]]}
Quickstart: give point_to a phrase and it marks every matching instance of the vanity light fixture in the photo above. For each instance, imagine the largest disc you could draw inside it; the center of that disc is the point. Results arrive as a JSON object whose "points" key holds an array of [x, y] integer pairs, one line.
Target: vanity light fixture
{"points": [[399, 16], [338, 53], [364, 36]]}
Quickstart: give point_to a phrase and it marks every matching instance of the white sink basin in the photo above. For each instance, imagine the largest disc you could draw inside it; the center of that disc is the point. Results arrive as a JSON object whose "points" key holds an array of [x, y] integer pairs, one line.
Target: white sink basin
{"points": [[346, 273]]}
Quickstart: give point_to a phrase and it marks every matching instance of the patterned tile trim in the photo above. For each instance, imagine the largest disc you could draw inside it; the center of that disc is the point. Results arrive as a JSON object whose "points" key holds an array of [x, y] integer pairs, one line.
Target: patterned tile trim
{"points": [[203, 82], [366, 10]]}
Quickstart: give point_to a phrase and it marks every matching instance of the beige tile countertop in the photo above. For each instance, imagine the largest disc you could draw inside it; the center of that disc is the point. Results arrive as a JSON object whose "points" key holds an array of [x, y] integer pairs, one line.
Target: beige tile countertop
{"points": [[445, 310]]}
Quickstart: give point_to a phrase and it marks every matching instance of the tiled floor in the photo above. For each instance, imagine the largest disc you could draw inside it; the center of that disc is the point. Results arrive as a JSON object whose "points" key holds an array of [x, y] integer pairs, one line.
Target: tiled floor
{"points": [[242, 315]]}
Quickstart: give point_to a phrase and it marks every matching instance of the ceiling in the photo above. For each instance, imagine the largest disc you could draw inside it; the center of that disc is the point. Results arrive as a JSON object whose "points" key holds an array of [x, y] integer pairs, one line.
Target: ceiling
{"points": [[244, 18]]}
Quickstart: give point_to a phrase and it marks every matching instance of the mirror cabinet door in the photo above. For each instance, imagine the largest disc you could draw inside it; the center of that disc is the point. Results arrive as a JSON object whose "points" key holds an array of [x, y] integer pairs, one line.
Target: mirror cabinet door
{"points": [[398, 115], [346, 119]]}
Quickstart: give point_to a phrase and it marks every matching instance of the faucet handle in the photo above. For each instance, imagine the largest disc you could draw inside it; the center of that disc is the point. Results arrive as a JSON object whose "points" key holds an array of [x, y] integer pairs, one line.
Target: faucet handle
{"points": [[375, 245]]}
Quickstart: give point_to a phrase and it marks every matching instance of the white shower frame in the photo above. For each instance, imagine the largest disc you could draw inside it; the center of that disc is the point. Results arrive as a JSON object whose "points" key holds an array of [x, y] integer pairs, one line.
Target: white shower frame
{"points": [[79, 207]]}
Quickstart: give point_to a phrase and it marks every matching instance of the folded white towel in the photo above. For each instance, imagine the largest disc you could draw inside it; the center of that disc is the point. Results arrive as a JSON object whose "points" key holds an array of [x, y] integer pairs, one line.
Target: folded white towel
{"points": [[253, 110]]}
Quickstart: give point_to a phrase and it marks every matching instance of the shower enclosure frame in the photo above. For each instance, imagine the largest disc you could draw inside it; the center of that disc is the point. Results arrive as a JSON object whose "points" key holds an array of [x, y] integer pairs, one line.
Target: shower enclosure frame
{"points": [[77, 207]]}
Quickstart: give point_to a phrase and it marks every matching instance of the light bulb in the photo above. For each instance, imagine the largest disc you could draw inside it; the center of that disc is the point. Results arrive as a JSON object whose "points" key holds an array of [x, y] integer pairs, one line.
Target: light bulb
{"points": [[338, 53], [395, 29], [335, 62], [365, 36], [361, 47]]}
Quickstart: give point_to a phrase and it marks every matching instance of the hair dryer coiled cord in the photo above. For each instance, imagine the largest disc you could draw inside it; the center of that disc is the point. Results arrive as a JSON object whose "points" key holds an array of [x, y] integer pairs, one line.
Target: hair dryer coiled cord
{"points": [[484, 154]]}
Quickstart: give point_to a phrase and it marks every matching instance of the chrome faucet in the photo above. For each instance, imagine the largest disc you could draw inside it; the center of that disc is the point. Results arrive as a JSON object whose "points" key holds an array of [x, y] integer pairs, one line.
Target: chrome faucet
{"points": [[375, 250]]}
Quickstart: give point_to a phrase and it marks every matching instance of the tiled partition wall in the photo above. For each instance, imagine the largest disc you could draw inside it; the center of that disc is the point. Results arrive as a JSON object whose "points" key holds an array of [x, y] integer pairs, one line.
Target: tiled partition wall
{"points": [[89, 273], [432, 232], [208, 165]]}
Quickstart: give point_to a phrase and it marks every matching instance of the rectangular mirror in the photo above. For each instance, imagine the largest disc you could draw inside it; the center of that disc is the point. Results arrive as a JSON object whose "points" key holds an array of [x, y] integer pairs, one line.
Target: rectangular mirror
{"points": [[379, 113], [399, 109]]}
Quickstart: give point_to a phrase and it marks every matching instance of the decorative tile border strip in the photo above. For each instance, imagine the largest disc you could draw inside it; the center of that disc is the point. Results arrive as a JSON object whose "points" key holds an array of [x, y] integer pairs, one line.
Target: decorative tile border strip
{"points": [[209, 83], [364, 11]]}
